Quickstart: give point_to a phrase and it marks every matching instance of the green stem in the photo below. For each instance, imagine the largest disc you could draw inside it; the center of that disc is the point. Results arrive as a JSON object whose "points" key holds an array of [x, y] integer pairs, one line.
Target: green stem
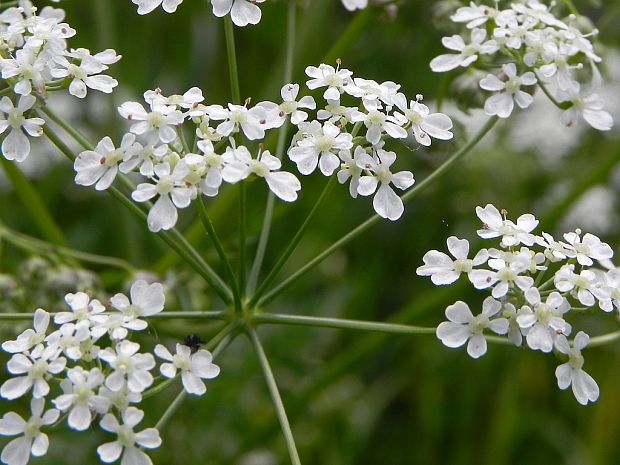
{"points": [[560, 105], [275, 397], [33, 203], [604, 339], [256, 298], [208, 225], [242, 236], [159, 388], [42, 247], [375, 218], [172, 408], [291, 30], [173, 238], [229, 33], [321, 322]]}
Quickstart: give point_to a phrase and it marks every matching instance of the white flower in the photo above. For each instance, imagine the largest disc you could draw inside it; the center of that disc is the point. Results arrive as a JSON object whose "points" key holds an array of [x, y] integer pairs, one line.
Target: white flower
{"points": [[240, 165], [16, 145], [589, 107], [146, 300], [193, 366], [30, 338], [443, 270], [33, 441], [587, 248], [506, 275], [290, 105], [319, 146], [543, 320], [352, 5], [100, 166], [242, 12], [336, 80], [127, 440], [496, 225], [377, 122], [79, 396], [464, 326], [159, 123], [585, 286], [120, 399], [173, 193], [468, 53], [509, 92], [253, 121], [146, 6], [86, 74], [82, 309], [28, 68], [474, 15], [74, 340], [385, 202], [130, 368], [570, 373], [36, 367], [349, 169], [424, 124]]}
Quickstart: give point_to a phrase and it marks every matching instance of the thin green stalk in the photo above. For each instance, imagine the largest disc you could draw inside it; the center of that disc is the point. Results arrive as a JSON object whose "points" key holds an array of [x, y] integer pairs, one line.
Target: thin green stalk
{"points": [[42, 247], [172, 408], [233, 72], [604, 339], [159, 388], [199, 315], [322, 322], [441, 170], [256, 298], [275, 397], [560, 105], [291, 30], [208, 225], [173, 238], [242, 236], [33, 203]]}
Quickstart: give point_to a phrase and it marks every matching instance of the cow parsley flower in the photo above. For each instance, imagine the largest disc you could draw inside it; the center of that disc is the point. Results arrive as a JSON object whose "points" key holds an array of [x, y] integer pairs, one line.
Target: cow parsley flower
{"points": [[32, 441], [146, 300], [443, 270], [128, 442], [571, 374], [496, 225], [468, 53], [464, 326], [319, 146], [378, 179], [16, 145], [194, 367], [543, 320], [508, 92], [130, 368], [146, 6], [30, 337], [80, 398], [242, 12]]}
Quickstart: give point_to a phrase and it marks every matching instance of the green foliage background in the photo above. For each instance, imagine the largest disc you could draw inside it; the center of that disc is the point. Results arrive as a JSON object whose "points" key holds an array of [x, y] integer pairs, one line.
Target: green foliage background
{"points": [[352, 397]]}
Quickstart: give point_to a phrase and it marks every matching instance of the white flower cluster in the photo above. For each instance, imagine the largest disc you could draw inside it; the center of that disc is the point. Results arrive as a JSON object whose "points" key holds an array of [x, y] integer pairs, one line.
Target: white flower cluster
{"points": [[156, 144], [34, 59], [242, 12], [529, 46], [535, 282], [91, 370]]}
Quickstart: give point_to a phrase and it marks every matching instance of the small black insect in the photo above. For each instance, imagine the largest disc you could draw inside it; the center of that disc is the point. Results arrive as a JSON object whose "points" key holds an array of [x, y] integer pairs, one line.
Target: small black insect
{"points": [[193, 341]]}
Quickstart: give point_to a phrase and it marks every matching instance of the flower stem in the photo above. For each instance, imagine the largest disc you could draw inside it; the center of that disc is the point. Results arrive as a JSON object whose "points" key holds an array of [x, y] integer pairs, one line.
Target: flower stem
{"points": [[176, 403], [208, 225], [242, 237], [375, 218], [275, 397], [321, 322], [256, 298], [232, 60], [291, 30], [604, 339]]}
